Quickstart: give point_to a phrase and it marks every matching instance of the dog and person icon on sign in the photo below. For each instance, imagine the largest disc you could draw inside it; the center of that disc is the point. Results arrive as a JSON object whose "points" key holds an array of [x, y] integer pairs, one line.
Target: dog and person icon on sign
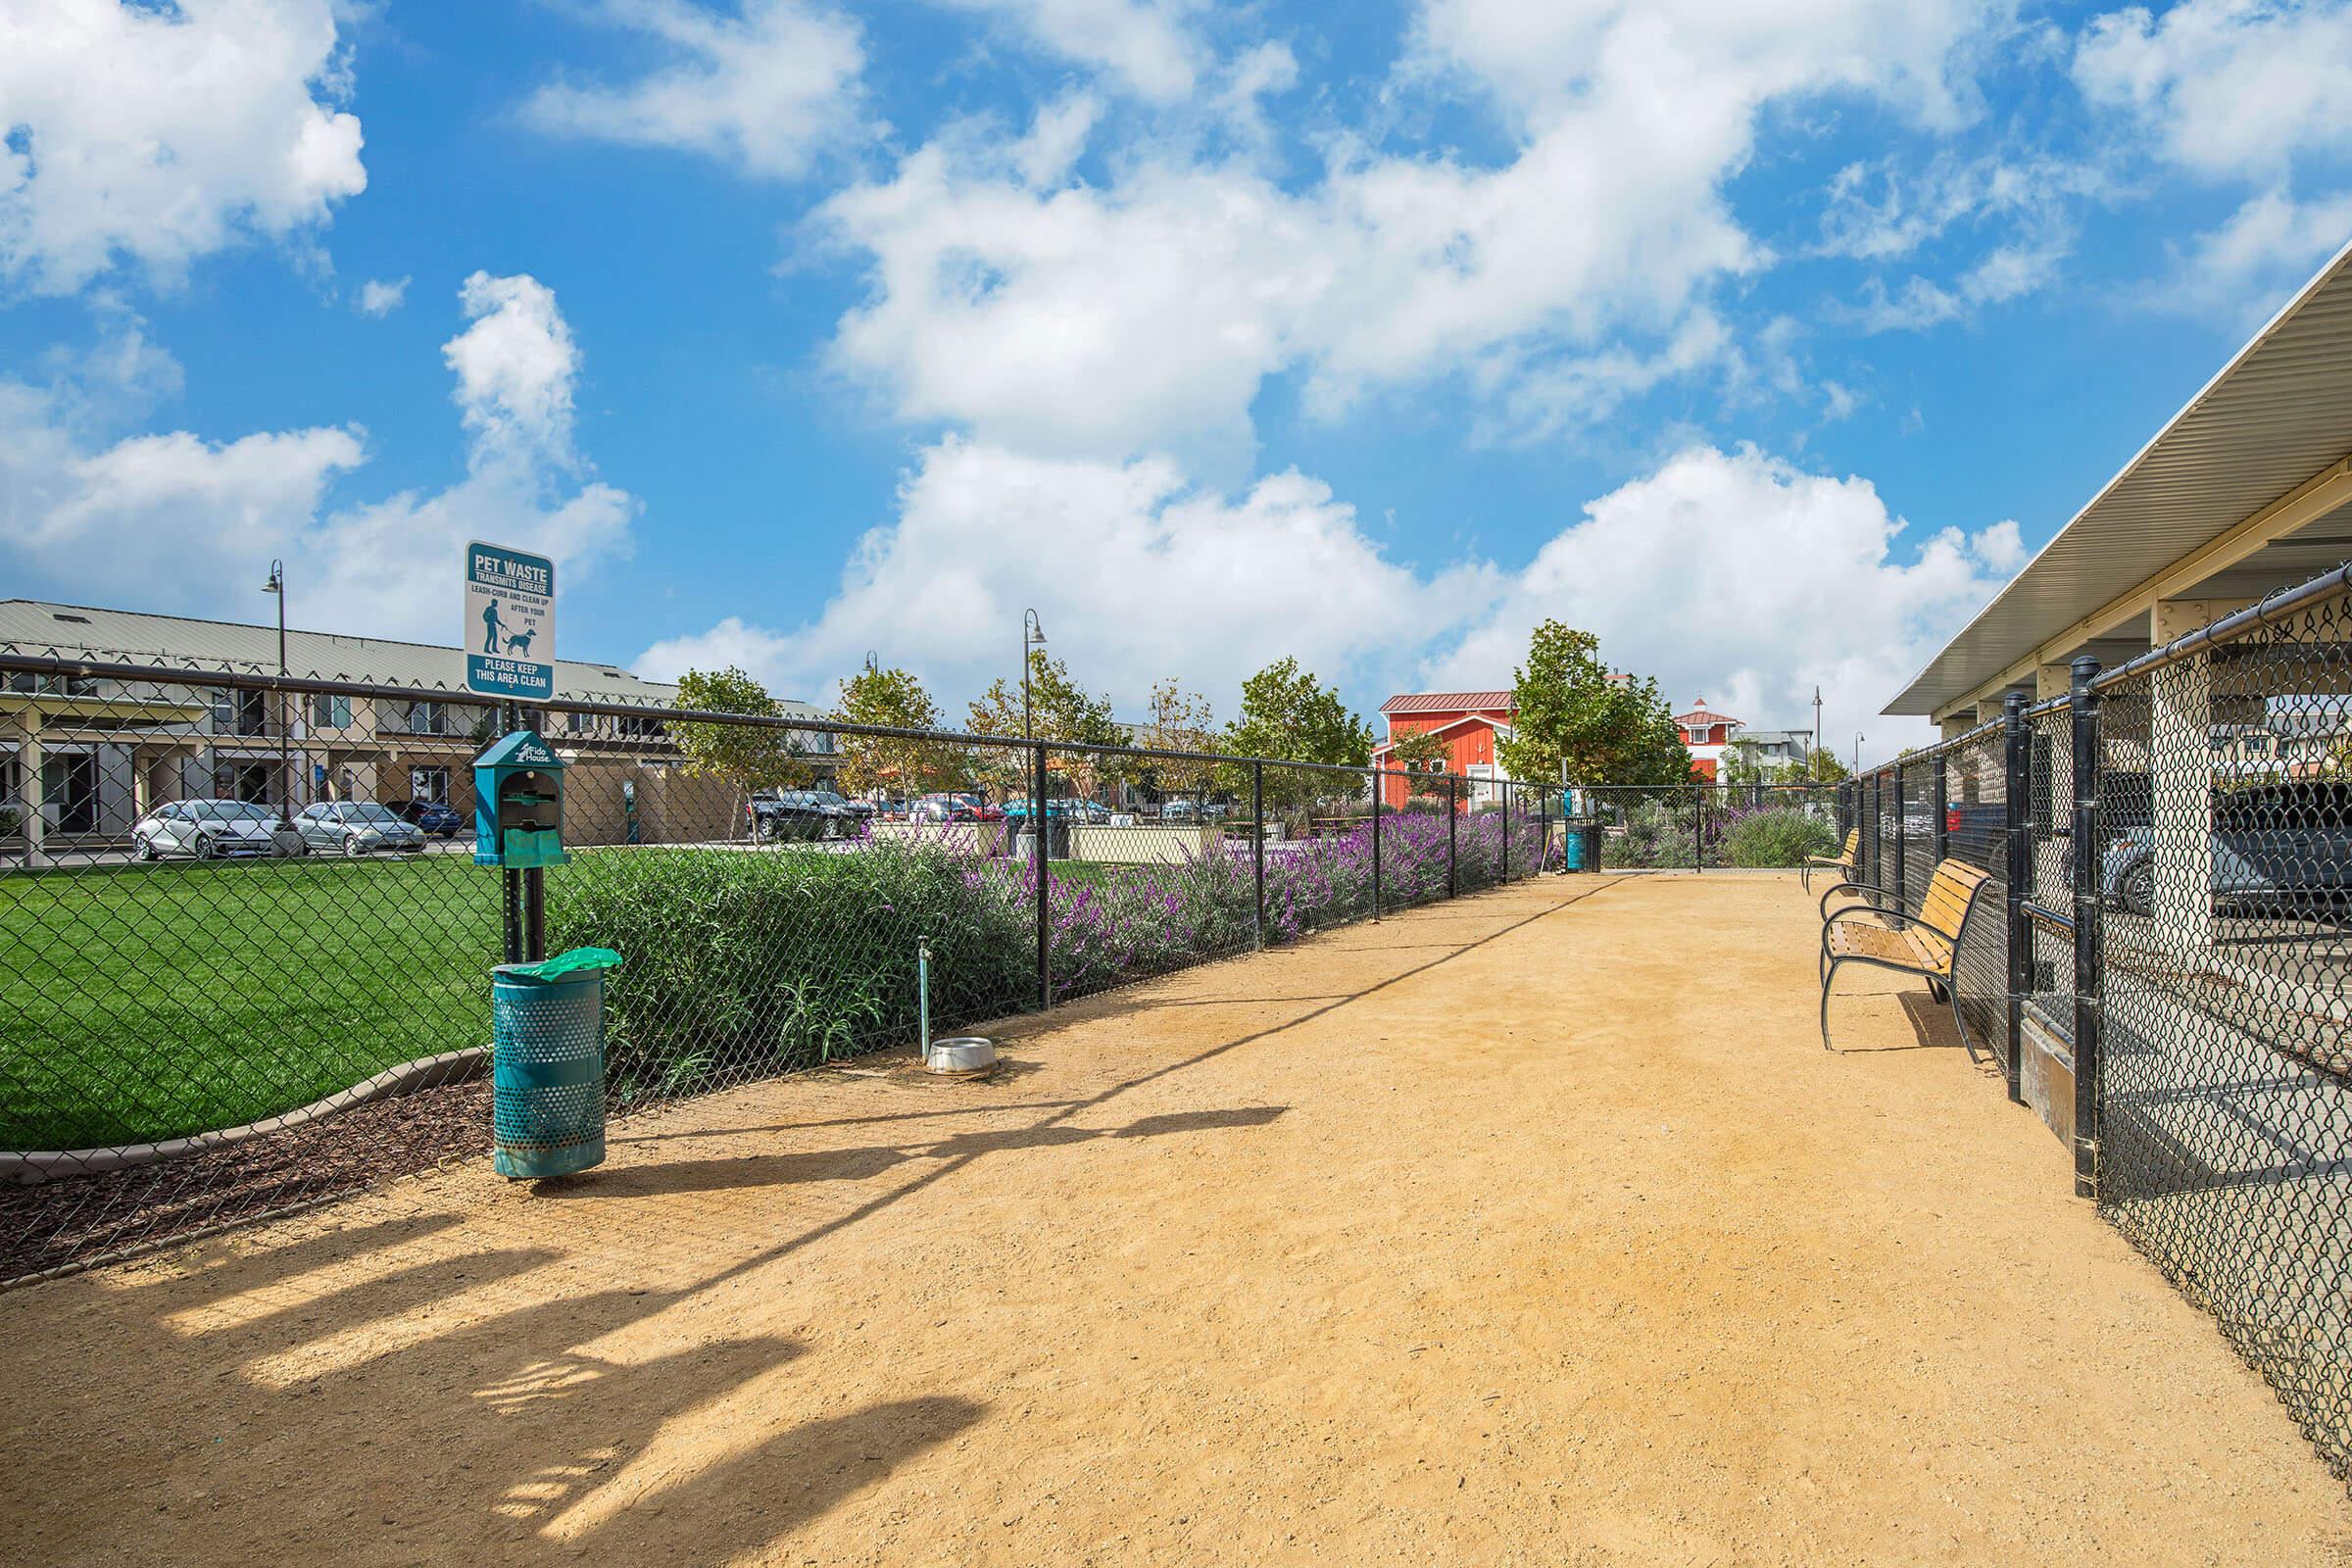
{"points": [[511, 594]]}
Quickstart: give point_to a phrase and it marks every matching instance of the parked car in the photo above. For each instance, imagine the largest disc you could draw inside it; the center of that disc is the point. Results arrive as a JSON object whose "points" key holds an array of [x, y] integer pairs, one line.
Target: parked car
{"points": [[2285, 843], [800, 815], [436, 817], [205, 829], [952, 807], [356, 828]]}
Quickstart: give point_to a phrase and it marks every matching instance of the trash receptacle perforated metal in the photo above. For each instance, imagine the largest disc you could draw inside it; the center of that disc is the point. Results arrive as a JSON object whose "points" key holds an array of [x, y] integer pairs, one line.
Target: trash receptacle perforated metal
{"points": [[547, 1072]]}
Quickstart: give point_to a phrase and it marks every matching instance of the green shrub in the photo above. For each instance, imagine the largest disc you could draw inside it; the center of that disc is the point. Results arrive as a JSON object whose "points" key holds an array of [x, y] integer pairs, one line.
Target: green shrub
{"points": [[1783, 836], [1654, 834], [746, 963]]}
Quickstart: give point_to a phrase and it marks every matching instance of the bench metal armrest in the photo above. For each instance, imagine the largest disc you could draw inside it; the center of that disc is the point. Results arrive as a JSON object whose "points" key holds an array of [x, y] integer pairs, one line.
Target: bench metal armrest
{"points": [[1869, 899]]}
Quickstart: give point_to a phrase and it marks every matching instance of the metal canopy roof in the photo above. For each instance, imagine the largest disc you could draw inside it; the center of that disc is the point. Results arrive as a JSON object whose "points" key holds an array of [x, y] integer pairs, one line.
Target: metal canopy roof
{"points": [[2278, 414]]}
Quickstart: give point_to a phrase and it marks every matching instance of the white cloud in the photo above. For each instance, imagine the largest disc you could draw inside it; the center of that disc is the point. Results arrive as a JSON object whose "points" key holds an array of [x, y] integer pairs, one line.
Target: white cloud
{"points": [[1738, 577], [75, 502], [1730, 574], [515, 365], [1148, 312], [2237, 91], [1136, 574], [158, 134], [767, 90], [379, 297], [2227, 88], [1145, 45]]}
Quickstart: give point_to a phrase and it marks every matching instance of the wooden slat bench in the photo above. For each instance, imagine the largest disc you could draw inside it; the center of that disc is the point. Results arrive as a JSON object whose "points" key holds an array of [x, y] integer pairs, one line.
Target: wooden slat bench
{"points": [[1926, 944], [1843, 863]]}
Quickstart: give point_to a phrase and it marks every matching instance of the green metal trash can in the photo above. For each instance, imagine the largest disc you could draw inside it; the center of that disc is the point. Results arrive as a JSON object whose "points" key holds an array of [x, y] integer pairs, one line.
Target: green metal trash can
{"points": [[1573, 837], [547, 1070]]}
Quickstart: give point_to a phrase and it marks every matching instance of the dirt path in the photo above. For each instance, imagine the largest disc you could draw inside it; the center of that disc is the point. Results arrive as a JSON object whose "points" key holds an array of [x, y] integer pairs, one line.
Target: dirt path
{"points": [[1508, 1231]]}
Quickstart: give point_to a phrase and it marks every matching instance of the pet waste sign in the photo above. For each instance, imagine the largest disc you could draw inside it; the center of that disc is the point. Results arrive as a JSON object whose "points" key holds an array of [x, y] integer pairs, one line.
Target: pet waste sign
{"points": [[510, 625]]}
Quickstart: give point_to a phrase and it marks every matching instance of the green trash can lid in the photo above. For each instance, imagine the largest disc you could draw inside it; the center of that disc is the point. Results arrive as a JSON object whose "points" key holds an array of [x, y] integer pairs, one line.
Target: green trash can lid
{"points": [[563, 963]]}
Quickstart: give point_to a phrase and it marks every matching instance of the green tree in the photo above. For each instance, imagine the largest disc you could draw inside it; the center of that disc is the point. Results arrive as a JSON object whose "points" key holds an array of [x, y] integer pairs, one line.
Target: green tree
{"points": [[749, 757], [1288, 715], [1417, 752], [1059, 709], [1608, 731], [1180, 721], [896, 699], [1822, 767]]}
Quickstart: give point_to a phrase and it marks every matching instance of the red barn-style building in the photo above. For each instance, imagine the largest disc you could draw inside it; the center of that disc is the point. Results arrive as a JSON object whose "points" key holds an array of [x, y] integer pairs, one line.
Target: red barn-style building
{"points": [[1469, 722]]}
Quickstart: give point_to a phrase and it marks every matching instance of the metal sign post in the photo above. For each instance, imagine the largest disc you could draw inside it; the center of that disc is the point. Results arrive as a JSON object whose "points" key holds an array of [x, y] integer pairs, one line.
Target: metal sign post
{"points": [[508, 634]]}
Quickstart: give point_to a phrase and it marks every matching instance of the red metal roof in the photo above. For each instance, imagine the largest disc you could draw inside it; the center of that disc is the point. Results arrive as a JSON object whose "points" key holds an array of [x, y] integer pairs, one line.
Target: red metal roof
{"points": [[1704, 715], [1447, 703]]}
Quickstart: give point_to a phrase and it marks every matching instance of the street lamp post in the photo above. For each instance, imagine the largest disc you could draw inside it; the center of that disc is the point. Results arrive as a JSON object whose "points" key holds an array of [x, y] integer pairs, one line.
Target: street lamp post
{"points": [[275, 587], [1033, 635], [1857, 754]]}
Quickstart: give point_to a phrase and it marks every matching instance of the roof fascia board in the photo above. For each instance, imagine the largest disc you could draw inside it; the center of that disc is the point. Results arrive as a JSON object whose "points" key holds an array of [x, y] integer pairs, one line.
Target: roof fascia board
{"points": [[2314, 498]]}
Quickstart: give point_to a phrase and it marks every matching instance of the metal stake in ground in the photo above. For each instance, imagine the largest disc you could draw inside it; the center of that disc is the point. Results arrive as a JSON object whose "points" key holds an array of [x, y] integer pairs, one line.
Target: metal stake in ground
{"points": [[1379, 787]]}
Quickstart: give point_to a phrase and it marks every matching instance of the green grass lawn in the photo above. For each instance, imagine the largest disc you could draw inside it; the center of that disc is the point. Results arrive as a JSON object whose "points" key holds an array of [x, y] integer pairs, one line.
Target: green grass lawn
{"points": [[140, 1003], [153, 1002]]}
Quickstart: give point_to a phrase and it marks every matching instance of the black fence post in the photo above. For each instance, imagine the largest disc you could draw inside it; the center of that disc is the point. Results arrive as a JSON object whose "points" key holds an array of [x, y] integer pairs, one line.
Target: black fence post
{"points": [[1870, 834], [1506, 830], [2082, 710], [1037, 861], [509, 717], [2016, 810], [1379, 787], [1698, 825], [1939, 785], [1902, 831], [1454, 809], [1257, 850]]}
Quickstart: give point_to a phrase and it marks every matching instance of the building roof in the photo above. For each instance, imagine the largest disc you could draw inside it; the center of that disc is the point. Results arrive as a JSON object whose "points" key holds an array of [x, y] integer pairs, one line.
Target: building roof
{"points": [[1501, 727], [2263, 428], [1702, 715], [1447, 703], [84, 631]]}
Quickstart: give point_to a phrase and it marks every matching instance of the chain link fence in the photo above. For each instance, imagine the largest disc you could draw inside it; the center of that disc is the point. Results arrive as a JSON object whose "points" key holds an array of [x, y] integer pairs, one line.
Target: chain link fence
{"points": [[245, 950], [1695, 828], [2174, 839]]}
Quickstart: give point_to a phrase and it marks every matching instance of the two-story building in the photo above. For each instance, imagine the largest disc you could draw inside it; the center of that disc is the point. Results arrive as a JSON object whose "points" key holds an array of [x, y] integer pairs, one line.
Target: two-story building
{"points": [[82, 758], [1706, 733], [1471, 725]]}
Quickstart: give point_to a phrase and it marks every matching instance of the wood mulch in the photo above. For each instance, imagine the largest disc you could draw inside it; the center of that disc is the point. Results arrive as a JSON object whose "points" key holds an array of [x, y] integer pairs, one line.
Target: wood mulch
{"points": [[80, 1219]]}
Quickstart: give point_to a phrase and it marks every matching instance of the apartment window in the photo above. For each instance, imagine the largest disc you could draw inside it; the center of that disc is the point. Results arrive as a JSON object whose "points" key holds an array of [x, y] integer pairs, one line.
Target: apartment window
{"points": [[330, 712], [427, 718], [429, 784], [236, 713]]}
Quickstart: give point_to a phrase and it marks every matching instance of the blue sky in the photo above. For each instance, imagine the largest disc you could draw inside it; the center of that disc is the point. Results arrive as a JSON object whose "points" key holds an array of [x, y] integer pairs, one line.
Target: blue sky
{"points": [[1762, 340]]}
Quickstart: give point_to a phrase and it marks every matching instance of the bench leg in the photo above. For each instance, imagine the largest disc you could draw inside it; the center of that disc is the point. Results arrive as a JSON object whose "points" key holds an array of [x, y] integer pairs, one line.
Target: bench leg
{"points": [[1828, 973], [1951, 994]]}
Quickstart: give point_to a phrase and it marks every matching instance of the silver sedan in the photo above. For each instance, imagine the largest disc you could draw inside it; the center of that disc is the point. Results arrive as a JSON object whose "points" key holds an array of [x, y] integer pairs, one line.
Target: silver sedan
{"points": [[205, 829], [356, 828]]}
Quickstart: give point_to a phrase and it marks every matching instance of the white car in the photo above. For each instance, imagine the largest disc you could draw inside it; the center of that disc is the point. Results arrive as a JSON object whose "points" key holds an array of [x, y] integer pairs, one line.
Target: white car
{"points": [[356, 827], [205, 829]]}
